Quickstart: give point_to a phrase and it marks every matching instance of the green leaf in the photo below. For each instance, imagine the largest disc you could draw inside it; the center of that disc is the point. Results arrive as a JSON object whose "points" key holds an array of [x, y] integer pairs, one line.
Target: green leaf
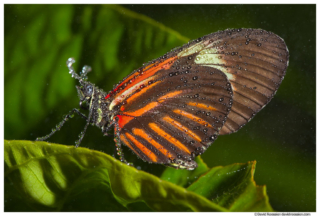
{"points": [[184, 178], [40, 176], [233, 187]]}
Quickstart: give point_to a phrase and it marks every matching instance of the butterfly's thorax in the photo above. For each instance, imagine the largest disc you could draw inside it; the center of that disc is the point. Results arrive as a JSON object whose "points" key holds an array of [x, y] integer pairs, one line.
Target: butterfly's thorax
{"points": [[100, 115], [99, 106]]}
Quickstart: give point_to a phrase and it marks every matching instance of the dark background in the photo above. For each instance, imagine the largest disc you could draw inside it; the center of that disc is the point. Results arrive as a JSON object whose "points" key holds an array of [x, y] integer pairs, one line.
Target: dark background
{"points": [[38, 90]]}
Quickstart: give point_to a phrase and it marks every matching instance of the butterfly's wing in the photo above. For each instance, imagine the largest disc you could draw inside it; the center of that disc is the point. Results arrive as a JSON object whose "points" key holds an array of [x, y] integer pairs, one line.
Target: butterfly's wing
{"points": [[174, 107], [255, 62]]}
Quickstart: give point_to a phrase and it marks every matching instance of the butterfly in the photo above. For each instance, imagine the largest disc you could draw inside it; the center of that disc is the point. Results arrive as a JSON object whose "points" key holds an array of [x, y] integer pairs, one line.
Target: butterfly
{"points": [[174, 107]]}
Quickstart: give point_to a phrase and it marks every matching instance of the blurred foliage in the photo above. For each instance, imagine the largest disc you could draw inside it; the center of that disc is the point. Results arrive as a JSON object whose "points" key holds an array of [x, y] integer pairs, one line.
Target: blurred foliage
{"points": [[114, 41], [41, 176]]}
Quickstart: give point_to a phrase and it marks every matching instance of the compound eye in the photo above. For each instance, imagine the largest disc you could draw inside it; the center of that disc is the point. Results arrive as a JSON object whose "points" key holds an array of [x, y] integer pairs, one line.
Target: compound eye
{"points": [[89, 89]]}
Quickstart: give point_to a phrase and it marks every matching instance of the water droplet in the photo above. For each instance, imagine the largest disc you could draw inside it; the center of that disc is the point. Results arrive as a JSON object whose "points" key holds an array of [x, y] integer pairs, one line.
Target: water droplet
{"points": [[193, 155], [212, 137]]}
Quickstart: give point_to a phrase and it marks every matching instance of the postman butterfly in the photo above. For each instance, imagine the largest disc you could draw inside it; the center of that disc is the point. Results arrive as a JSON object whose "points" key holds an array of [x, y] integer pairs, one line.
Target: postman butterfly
{"points": [[174, 107]]}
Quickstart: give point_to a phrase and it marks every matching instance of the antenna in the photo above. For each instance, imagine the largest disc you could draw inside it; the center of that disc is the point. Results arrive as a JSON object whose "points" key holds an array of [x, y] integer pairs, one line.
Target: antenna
{"points": [[83, 74]]}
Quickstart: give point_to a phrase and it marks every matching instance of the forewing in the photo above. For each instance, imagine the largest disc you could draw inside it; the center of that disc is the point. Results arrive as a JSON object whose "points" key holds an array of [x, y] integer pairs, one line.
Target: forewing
{"points": [[255, 62]]}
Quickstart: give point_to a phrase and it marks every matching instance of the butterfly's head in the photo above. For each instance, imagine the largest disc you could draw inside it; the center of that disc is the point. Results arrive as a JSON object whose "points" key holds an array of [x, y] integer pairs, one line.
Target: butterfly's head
{"points": [[85, 89], [85, 93]]}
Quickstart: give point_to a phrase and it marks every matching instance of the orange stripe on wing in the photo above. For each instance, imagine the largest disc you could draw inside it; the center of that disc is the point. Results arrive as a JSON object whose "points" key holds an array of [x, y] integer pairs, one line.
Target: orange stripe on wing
{"points": [[168, 137], [169, 95], [181, 128], [144, 149], [158, 146], [193, 117], [125, 141], [152, 105], [139, 112], [203, 106], [158, 66]]}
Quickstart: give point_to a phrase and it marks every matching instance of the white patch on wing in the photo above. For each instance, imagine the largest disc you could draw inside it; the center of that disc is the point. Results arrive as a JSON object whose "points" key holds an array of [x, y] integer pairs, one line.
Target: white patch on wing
{"points": [[191, 50], [211, 58], [208, 56]]}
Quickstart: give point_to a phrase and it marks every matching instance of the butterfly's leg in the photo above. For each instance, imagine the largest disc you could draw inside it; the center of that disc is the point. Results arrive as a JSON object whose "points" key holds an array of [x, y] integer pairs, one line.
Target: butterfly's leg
{"points": [[58, 126], [118, 145], [81, 135], [105, 133], [106, 129]]}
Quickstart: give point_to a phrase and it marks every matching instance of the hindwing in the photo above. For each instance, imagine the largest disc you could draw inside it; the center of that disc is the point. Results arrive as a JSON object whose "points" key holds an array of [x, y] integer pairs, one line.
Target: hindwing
{"points": [[177, 116]]}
